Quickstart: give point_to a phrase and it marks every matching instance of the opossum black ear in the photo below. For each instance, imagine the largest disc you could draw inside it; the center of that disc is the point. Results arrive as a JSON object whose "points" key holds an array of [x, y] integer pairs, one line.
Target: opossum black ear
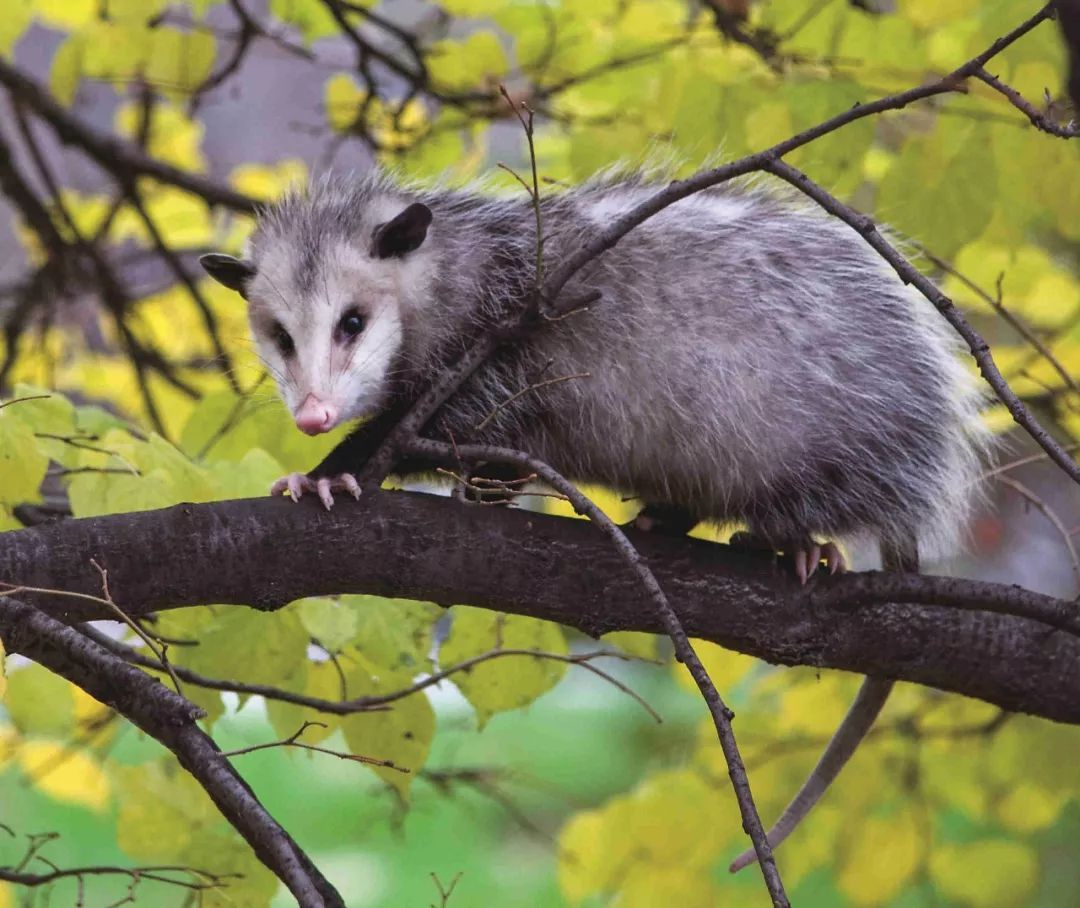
{"points": [[403, 234], [232, 272]]}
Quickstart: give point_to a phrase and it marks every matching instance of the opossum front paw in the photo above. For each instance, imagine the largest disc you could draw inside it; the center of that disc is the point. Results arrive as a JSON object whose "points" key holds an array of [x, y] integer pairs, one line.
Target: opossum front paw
{"points": [[808, 555], [296, 484]]}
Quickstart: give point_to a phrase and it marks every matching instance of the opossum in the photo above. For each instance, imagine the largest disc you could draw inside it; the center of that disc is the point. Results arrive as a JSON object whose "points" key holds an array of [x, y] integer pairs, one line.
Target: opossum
{"points": [[749, 359]]}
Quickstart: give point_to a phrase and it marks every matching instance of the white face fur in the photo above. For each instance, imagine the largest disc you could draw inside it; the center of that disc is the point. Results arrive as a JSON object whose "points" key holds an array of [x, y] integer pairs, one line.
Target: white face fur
{"points": [[334, 345], [327, 321]]}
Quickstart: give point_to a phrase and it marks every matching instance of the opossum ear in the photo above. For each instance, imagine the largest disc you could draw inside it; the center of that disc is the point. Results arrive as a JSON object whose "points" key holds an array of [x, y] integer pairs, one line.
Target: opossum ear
{"points": [[232, 272], [403, 234]]}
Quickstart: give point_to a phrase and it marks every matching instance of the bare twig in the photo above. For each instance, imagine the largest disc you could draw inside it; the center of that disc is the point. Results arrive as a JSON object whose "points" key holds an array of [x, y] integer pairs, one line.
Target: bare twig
{"points": [[1038, 119], [684, 651], [535, 386], [293, 741], [1049, 513]]}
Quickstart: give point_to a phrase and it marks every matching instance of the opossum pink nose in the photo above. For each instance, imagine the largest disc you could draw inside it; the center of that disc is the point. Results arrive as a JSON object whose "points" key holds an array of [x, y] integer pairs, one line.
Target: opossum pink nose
{"points": [[315, 416]]}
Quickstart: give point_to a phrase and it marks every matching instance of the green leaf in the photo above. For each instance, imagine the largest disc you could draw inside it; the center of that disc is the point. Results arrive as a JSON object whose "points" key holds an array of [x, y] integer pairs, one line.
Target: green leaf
{"points": [[329, 621], [316, 679], [988, 874], [39, 702], [477, 60], [402, 734], [224, 426], [942, 187], [394, 634], [166, 817], [22, 462], [506, 682], [179, 61], [249, 646]]}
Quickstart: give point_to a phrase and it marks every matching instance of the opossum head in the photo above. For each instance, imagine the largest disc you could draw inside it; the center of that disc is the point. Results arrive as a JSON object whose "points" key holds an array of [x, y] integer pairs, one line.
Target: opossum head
{"points": [[325, 301]]}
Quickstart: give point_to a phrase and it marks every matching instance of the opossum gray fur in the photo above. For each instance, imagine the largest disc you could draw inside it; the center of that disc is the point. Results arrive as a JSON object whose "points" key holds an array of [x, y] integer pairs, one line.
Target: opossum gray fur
{"points": [[750, 359]]}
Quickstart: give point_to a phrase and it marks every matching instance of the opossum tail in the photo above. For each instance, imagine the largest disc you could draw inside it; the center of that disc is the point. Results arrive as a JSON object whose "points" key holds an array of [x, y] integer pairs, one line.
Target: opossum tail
{"points": [[847, 738]]}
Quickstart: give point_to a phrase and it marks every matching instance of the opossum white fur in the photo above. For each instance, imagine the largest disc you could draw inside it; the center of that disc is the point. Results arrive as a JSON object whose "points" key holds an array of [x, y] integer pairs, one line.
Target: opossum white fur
{"points": [[750, 359]]}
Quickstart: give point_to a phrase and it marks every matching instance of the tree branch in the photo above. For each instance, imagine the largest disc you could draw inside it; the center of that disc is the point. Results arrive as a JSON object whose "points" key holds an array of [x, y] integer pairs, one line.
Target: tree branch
{"points": [[170, 719], [122, 159], [966, 638]]}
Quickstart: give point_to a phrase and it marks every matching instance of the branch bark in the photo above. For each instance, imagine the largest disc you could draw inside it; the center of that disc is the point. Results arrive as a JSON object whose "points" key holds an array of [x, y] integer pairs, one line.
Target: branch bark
{"points": [[171, 720], [955, 635]]}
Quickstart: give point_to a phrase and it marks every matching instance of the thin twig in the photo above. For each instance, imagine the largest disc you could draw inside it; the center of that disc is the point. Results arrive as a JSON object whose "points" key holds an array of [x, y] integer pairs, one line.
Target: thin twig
{"points": [[292, 741], [535, 386], [721, 715]]}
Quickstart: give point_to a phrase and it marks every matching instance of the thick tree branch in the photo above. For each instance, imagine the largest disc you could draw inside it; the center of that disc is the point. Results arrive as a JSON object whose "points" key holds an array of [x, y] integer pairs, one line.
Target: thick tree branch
{"points": [[268, 552], [171, 720]]}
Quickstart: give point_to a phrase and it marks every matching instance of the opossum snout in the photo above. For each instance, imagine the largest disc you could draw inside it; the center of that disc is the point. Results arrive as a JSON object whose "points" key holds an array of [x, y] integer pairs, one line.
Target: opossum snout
{"points": [[316, 416]]}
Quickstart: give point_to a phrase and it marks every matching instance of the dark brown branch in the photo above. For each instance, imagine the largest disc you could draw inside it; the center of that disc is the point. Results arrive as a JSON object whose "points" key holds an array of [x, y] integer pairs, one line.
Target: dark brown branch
{"points": [[122, 159], [171, 720], [424, 547], [1038, 119]]}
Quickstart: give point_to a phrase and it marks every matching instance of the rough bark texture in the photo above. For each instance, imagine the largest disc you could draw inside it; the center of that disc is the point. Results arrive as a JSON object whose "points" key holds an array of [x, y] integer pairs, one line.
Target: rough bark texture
{"points": [[268, 552]]}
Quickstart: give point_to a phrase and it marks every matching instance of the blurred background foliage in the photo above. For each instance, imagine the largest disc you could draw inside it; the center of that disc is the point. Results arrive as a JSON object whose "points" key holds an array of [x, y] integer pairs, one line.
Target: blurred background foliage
{"points": [[138, 388]]}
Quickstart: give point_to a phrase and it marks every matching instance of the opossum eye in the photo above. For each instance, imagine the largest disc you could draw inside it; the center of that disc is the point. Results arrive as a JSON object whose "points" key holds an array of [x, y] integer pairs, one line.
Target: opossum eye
{"points": [[282, 340], [351, 324]]}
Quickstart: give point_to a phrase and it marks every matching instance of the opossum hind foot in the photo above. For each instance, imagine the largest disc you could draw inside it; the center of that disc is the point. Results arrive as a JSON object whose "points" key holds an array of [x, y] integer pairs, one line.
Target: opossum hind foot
{"points": [[296, 484], [808, 554]]}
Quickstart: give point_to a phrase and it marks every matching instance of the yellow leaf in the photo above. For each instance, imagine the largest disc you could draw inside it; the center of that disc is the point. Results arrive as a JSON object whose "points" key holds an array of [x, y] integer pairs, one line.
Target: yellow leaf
{"points": [[991, 873], [72, 776], [611, 503], [162, 810], [880, 859], [3, 670], [342, 98], [725, 668], [675, 821], [930, 13], [114, 50], [7, 897], [1028, 807], [268, 181], [17, 16], [635, 644], [66, 14], [133, 10], [173, 136]]}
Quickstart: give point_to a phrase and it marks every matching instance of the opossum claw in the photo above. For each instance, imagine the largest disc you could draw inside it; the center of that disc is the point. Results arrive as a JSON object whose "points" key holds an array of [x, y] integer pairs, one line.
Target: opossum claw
{"points": [[351, 485], [801, 565], [296, 484], [807, 556], [325, 495]]}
